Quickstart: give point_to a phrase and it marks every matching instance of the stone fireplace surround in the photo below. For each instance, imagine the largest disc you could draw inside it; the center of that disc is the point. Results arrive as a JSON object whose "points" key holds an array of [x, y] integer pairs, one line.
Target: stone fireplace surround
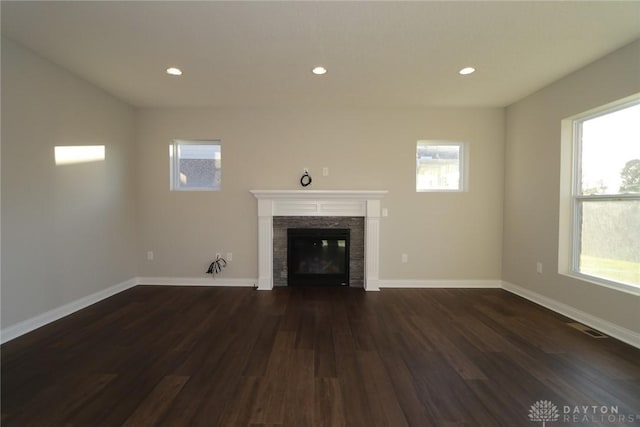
{"points": [[319, 203], [356, 250]]}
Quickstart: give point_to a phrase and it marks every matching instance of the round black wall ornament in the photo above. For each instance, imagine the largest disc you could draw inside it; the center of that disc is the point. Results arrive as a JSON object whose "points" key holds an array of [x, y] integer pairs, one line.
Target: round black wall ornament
{"points": [[306, 179]]}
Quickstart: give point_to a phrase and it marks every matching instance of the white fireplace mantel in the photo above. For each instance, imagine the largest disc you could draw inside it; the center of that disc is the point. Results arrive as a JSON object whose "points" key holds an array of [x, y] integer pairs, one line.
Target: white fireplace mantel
{"points": [[364, 203]]}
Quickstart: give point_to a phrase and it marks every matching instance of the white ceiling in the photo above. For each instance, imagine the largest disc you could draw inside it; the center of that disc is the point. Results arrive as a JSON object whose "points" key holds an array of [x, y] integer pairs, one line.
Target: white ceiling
{"points": [[397, 54]]}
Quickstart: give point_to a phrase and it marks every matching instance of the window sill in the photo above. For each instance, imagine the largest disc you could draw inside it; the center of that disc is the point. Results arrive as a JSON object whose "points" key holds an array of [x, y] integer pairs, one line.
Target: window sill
{"points": [[621, 287], [180, 190], [441, 191]]}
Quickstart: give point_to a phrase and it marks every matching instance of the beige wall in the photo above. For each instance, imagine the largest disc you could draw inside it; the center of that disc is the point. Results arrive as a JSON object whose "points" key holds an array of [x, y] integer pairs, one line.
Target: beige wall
{"points": [[447, 236], [67, 231], [532, 184]]}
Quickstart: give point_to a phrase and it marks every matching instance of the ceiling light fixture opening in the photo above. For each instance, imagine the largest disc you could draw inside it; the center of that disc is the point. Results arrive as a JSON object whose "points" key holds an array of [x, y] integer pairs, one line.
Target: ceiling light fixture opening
{"points": [[174, 71], [466, 71], [319, 70]]}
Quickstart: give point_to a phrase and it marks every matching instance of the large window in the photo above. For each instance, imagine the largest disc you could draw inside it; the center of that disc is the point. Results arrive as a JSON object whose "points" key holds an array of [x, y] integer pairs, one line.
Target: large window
{"points": [[440, 166], [606, 195], [195, 165]]}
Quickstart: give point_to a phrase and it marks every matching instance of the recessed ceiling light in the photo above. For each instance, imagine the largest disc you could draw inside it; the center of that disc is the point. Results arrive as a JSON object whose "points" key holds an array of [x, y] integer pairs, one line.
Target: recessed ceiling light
{"points": [[319, 70], [174, 71], [467, 70]]}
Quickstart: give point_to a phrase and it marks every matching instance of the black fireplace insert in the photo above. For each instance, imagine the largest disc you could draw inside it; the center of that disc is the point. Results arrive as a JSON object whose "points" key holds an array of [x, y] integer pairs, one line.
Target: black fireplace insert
{"points": [[318, 256]]}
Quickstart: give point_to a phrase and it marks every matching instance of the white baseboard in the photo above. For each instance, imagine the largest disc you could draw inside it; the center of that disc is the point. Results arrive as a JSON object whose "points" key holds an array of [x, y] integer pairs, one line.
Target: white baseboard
{"points": [[196, 281], [439, 284], [623, 334], [14, 331]]}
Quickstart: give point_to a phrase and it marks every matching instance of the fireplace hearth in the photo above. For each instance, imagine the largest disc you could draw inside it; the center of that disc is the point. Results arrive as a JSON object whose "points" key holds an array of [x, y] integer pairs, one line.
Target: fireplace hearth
{"points": [[318, 256]]}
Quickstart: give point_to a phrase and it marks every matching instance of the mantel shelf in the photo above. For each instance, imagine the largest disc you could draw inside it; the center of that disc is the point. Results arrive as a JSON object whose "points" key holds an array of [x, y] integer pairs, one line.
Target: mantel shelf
{"points": [[320, 194]]}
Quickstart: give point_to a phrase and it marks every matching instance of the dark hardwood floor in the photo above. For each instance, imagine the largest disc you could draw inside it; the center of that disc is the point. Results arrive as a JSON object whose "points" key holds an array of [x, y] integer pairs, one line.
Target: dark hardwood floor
{"points": [[190, 356]]}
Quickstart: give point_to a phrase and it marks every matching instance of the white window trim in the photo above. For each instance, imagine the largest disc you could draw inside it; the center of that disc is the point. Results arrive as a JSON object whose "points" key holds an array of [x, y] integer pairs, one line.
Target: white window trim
{"points": [[174, 182], [463, 166], [569, 236]]}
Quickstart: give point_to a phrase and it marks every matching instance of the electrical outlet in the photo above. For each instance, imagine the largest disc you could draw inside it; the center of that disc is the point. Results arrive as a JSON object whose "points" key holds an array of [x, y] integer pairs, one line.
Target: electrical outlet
{"points": [[229, 256], [405, 258], [385, 212], [539, 267], [325, 171], [150, 256]]}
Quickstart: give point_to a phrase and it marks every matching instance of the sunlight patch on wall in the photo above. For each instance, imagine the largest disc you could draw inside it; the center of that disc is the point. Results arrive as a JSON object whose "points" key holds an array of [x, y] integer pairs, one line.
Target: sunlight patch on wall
{"points": [[73, 154]]}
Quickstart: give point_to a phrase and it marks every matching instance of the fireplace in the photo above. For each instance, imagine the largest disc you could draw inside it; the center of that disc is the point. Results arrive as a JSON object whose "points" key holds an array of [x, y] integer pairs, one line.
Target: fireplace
{"points": [[281, 226], [319, 203], [318, 256]]}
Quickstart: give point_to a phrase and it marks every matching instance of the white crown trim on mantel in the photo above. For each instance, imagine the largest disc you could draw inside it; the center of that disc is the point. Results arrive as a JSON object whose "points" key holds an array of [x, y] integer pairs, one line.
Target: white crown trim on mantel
{"points": [[319, 194], [364, 203]]}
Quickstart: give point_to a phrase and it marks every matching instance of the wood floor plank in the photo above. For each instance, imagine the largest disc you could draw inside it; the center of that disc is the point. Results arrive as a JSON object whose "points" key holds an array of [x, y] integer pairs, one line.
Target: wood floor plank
{"points": [[122, 396], [153, 407], [349, 371], [76, 390], [257, 363], [299, 395], [325, 356], [239, 409], [390, 349], [305, 332], [276, 376], [227, 370], [328, 403], [440, 338], [383, 402], [199, 356]]}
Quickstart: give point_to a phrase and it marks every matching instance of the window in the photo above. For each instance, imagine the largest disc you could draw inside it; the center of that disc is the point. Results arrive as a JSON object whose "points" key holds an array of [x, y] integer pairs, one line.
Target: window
{"points": [[605, 199], [195, 165], [440, 166]]}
